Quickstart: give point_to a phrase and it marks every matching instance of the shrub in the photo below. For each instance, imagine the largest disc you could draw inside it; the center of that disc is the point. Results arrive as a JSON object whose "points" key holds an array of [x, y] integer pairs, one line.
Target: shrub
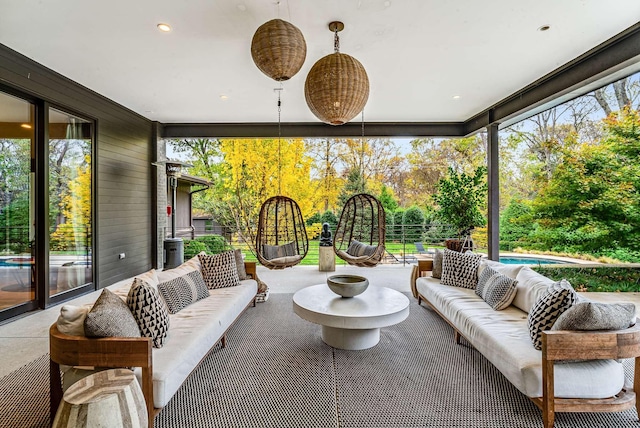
{"points": [[413, 221], [193, 247], [215, 244]]}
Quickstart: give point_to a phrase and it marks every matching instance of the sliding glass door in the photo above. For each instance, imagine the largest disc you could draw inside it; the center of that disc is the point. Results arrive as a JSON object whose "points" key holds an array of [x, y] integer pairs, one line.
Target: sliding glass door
{"points": [[17, 262]]}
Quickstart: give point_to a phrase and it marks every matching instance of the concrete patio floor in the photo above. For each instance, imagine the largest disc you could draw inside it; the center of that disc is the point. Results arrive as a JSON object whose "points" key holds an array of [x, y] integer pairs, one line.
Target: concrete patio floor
{"points": [[25, 339]]}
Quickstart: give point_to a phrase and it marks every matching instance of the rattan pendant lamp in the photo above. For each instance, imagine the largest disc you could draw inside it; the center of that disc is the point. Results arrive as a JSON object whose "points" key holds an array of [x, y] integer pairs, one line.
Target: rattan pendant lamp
{"points": [[337, 86], [278, 49]]}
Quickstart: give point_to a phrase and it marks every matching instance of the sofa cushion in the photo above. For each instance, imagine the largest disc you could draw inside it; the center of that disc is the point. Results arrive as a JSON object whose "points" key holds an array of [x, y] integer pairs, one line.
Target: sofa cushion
{"points": [[499, 291], [531, 285], [149, 311], [545, 312], [184, 290], [460, 269], [186, 267], [506, 269], [219, 270], [436, 271], [597, 316], [110, 317]]}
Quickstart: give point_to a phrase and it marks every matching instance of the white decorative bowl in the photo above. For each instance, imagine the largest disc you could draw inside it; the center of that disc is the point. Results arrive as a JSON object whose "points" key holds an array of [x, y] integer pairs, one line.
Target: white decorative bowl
{"points": [[347, 285]]}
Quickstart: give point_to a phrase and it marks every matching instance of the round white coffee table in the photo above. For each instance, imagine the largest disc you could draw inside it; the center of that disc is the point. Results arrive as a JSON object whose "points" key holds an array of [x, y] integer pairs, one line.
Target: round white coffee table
{"points": [[351, 323]]}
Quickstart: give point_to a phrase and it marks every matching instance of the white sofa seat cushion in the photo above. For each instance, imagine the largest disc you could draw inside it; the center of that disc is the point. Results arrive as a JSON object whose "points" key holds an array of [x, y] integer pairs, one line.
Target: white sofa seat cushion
{"points": [[503, 338], [192, 333]]}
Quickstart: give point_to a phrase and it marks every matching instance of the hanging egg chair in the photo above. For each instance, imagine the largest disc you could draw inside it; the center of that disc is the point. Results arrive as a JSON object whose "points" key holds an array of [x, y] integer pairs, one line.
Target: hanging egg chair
{"points": [[281, 240], [359, 238]]}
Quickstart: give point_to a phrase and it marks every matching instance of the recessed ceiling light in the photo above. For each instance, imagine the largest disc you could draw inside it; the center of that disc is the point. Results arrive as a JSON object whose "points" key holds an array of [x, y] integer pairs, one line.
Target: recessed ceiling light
{"points": [[164, 27], [544, 28], [26, 126], [456, 97], [241, 7], [224, 97], [387, 3]]}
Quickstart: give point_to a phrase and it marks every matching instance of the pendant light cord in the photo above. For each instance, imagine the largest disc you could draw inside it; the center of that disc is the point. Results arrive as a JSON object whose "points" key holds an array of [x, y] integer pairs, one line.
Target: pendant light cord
{"points": [[279, 137], [362, 152]]}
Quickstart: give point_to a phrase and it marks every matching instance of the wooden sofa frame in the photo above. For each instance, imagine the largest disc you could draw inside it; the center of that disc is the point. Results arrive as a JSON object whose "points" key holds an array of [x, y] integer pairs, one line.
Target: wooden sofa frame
{"points": [[111, 352], [573, 345]]}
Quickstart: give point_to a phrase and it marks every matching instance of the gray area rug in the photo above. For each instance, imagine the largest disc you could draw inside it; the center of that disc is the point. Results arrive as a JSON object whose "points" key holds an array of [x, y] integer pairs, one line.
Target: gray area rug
{"points": [[277, 372]]}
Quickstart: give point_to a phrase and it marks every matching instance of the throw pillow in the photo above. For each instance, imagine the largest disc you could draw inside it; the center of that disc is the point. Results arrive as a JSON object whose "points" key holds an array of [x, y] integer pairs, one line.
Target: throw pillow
{"points": [[219, 270], [460, 269], [71, 319], [597, 316], [184, 290], [558, 298], [149, 311], [110, 317], [483, 278], [499, 291], [436, 271], [242, 273]]}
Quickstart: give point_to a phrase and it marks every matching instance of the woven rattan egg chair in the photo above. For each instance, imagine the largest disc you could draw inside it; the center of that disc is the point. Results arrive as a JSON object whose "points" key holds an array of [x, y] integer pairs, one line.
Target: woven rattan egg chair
{"points": [[359, 238], [281, 240]]}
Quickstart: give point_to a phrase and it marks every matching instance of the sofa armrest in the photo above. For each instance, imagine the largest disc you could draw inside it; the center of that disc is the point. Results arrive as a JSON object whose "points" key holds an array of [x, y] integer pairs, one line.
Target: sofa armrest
{"points": [[99, 352], [587, 345], [250, 268]]}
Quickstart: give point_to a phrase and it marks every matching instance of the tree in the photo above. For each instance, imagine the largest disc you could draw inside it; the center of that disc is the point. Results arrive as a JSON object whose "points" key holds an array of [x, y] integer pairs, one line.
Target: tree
{"points": [[459, 199], [355, 184], [516, 224], [387, 200], [592, 203], [413, 221], [326, 158]]}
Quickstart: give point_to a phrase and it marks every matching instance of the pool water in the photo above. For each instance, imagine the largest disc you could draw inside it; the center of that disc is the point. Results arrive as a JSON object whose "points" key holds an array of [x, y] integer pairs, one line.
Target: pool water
{"points": [[530, 261]]}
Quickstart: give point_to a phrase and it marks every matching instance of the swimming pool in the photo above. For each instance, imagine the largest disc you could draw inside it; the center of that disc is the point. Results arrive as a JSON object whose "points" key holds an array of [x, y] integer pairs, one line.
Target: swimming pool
{"points": [[509, 260]]}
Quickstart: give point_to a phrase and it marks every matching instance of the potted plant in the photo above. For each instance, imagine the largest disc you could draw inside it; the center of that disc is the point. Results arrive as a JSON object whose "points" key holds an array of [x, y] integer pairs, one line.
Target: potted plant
{"points": [[458, 201]]}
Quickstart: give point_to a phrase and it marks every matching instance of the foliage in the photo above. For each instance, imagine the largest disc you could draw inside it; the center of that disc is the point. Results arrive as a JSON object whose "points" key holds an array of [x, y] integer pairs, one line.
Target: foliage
{"points": [[315, 218], [313, 231], [413, 221], [592, 202], [193, 247], [598, 279], [329, 217], [216, 244], [516, 224], [387, 200], [355, 185], [459, 199]]}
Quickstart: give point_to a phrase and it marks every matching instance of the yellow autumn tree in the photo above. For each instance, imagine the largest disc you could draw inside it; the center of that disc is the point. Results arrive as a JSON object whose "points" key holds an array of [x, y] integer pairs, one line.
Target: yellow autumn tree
{"points": [[75, 206], [256, 169]]}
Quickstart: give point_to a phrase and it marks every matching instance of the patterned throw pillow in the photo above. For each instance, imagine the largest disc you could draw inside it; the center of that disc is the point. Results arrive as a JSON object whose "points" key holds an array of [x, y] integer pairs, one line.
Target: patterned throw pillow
{"points": [[184, 290], [558, 298], [498, 291], [358, 249], [436, 271], [110, 317], [242, 273], [460, 269], [149, 311], [483, 278], [219, 270]]}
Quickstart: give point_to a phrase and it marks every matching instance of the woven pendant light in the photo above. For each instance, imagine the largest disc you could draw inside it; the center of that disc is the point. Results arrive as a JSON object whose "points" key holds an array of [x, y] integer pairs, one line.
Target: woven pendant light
{"points": [[278, 49], [337, 86]]}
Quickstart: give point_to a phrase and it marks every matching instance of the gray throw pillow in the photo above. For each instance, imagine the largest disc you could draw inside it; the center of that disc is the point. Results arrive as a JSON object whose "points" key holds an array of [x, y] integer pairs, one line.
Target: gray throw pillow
{"points": [[184, 290], [242, 272], [499, 291], [558, 298], [597, 316], [219, 270], [436, 271], [110, 317], [460, 269], [149, 311], [358, 249]]}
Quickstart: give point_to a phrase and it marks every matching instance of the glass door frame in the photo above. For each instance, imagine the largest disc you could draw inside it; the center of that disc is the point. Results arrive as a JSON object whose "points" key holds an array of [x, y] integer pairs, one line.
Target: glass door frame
{"points": [[40, 249]]}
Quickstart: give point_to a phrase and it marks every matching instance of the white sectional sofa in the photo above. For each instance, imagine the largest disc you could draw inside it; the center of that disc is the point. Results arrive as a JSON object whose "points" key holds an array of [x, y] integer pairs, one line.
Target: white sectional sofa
{"points": [[596, 384], [193, 331]]}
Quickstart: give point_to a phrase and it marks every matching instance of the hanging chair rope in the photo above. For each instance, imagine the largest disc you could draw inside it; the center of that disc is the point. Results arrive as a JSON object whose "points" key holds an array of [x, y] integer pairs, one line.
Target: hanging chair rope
{"points": [[360, 234], [281, 239]]}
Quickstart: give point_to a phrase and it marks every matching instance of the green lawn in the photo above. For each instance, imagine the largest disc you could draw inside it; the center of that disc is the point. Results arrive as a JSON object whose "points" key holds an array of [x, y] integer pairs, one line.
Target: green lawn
{"points": [[605, 278]]}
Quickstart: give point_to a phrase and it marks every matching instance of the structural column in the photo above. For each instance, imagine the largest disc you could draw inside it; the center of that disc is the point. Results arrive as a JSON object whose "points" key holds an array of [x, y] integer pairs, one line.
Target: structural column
{"points": [[493, 214]]}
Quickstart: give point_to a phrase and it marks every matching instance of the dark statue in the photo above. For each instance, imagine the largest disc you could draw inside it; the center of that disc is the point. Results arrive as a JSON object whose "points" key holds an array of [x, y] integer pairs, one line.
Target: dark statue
{"points": [[325, 236]]}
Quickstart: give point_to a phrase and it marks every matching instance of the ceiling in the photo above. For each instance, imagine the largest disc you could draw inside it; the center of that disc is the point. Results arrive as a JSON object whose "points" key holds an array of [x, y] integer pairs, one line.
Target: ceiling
{"points": [[419, 54]]}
